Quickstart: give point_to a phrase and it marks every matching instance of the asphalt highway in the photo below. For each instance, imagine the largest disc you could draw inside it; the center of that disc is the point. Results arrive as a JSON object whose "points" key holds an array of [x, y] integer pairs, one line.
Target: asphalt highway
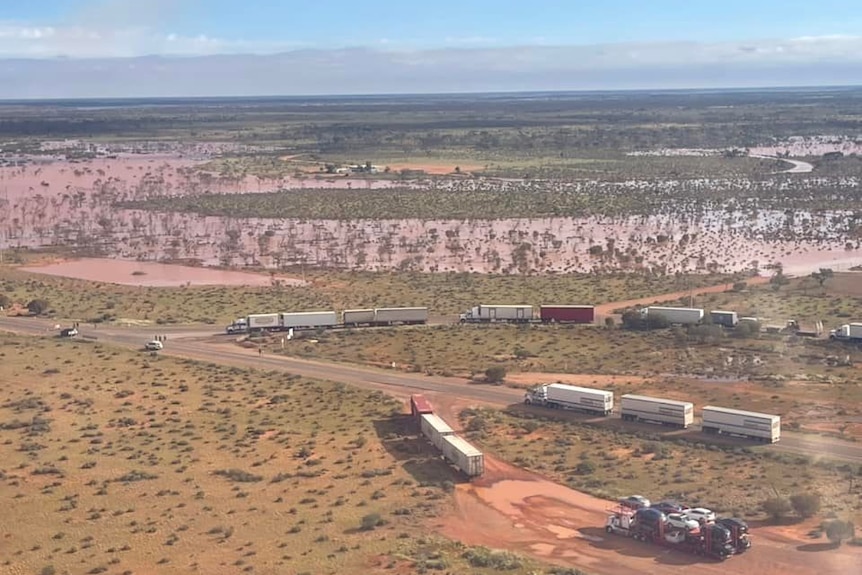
{"points": [[201, 343]]}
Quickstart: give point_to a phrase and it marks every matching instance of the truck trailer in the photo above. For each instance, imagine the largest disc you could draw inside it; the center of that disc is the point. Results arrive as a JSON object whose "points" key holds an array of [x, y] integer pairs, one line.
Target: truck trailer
{"points": [[419, 405], [675, 315], [355, 317], [759, 426], [562, 396], [435, 429], [567, 313], [724, 318], [498, 313], [847, 332], [307, 319], [463, 455], [263, 321], [400, 315], [656, 410]]}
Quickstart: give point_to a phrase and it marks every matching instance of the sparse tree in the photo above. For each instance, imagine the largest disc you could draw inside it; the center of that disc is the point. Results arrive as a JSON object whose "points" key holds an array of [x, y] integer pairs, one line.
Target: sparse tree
{"points": [[838, 530], [822, 275], [777, 507], [805, 504], [495, 374], [38, 306]]}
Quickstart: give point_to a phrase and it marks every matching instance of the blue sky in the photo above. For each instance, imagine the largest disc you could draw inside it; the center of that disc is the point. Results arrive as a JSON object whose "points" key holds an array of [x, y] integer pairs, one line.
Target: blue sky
{"points": [[79, 48], [272, 25]]}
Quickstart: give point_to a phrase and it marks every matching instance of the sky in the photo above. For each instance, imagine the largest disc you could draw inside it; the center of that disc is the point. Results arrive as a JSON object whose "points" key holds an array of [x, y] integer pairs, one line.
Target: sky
{"points": [[440, 46]]}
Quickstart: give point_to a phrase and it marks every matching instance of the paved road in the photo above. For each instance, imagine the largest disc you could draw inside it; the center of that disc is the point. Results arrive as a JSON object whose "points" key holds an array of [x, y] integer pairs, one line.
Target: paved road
{"points": [[199, 343]]}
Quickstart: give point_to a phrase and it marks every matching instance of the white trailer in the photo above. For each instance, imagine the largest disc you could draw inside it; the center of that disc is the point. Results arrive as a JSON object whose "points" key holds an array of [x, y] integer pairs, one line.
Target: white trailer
{"points": [[562, 396], [498, 313], [353, 317], [464, 456], [435, 429], [308, 319], [404, 315], [656, 410], [724, 318], [759, 426], [847, 332], [263, 321], [675, 315]]}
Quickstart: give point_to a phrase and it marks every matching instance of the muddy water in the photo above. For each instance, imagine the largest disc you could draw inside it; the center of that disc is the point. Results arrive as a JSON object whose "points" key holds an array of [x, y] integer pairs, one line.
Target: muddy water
{"points": [[155, 274]]}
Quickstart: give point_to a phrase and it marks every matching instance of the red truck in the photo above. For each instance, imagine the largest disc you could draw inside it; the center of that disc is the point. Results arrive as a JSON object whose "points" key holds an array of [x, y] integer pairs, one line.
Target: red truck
{"points": [[567, 313], [419, 405]]}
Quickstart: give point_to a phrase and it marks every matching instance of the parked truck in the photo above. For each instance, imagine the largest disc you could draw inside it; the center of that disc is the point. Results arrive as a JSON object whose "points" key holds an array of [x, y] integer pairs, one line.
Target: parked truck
{"points": [[847, 332], [656, 410], [724, 318], [675, 315], [435, 429], [651, 526], [759, 426], [567, 313], [463, 455], [562, 396], [307, 319], [419, 406], [498, 313]]}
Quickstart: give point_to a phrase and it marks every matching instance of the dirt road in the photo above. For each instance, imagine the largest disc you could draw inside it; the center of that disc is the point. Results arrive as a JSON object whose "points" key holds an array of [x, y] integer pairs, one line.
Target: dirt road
{"points": [[797, 166], [512, 509]]}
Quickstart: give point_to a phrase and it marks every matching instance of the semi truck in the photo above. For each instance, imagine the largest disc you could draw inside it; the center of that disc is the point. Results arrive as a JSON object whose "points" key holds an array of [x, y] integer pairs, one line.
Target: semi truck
{"points": [[498, 313], [847, 332], [239, 325], [656, 410], [435, 429], [562, 396], [651, 526], [419, 405], [307, 319], [724, 318], [759, 426], [385, 316], [469, 460], [567, 313], [675, 315]]}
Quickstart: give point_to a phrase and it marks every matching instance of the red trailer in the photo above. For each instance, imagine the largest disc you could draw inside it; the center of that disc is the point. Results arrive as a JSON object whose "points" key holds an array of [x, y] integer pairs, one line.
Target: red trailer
{"points": [[567, 313], [419, 405]]}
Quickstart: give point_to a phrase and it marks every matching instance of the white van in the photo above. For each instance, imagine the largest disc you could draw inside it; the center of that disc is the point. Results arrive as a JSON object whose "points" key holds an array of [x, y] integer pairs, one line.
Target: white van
{"points": [[154, 345]]}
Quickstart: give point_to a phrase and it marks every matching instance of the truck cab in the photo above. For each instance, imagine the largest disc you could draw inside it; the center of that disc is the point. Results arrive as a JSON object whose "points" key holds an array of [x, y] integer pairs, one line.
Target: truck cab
{"points": [[536, 395], [239, 325], [472, 314]]}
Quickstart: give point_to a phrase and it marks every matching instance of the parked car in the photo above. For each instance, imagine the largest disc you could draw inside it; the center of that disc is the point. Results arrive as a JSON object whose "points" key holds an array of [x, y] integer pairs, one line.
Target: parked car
{"points": [[650, 516], [154, 345], [635, 502], [670, 507], [68, 332], [682, 521], [701, 515]]}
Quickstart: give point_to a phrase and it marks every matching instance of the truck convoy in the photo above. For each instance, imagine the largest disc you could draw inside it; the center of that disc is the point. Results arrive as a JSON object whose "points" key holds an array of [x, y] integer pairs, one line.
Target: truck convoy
{"points": [[847, 332], [484, 313], [758, 426], [329, 319], [724, 318], [675, 315], [714, 420], [562, 396], [656, 410], [464, 456]]}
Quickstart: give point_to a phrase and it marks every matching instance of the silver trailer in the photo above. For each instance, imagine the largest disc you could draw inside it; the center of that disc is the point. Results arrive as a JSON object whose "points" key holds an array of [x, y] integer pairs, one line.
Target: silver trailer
{"points": [[724, 318], [675, 315], [464, 456], [308, 319], [353, 317], [562, 396], [498, 313], [759, 426], [435, 429], [656, 410], [263, 321], [404, 315]]}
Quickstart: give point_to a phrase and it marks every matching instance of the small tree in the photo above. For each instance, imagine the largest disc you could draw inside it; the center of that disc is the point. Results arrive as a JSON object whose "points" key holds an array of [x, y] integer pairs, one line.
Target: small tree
{"points": [[5, 300], [777, 507], [805, 504], [370, 522], [609, 322], [838, 530], [495, 374], [822, 275], [38, 306]]}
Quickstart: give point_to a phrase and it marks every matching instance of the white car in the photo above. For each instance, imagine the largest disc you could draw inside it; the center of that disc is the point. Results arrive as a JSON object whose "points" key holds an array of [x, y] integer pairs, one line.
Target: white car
{"points": [[682, 521], [154, 345], [701, 515]]}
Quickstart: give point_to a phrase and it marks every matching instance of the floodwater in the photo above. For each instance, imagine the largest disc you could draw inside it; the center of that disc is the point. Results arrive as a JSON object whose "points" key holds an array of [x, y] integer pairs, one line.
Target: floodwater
{"points": [[155, 274]]}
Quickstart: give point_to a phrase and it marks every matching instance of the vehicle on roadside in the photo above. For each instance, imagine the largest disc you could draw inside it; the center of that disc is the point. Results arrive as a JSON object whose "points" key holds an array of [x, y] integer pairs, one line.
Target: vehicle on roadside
{"points": [[154, 345], [562, 396], [635, 502], [738, 532], [682, 521], [701, 515], [68, 332]]}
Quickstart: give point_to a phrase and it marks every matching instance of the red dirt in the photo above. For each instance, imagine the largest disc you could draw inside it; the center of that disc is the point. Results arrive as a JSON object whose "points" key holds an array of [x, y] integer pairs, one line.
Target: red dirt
{"points": [[527, 379], [510, 508], [436, 169]]}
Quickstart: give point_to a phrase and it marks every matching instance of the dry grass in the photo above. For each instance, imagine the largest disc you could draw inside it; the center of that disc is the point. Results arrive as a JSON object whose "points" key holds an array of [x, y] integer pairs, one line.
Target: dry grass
{"points": [[130, 463]]}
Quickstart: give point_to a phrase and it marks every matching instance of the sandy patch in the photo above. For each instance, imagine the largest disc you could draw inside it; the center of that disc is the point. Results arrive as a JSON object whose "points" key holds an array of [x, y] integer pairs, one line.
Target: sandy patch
{"points": [[434, 168], [528, 379]]}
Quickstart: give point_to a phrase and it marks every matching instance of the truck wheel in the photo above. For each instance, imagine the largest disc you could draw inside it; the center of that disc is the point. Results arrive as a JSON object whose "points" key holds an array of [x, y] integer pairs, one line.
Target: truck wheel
{"points": [[608, 529]]}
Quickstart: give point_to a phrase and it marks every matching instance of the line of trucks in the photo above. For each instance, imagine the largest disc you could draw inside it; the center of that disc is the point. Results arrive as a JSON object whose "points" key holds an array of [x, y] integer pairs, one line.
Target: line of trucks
{"points": [[457, 451], [718, 539], [761, 427]]}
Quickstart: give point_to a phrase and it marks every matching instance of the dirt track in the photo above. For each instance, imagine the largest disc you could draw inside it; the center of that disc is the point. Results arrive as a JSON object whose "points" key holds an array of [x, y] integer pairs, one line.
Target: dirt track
{"points": [[509, 508]]}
